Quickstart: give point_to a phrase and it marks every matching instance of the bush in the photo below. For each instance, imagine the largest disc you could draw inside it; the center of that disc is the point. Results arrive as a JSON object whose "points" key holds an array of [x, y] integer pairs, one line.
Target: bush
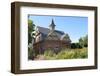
{"points": [[49, 54], [76, 45], [31, 53], [72, 54], [66, 54], [84, 53]]}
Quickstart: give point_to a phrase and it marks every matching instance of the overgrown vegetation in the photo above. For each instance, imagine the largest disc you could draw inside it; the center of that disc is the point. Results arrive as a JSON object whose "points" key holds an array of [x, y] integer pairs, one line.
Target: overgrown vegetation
{"points": [[31, 28], [83, 42], [66, 54]]}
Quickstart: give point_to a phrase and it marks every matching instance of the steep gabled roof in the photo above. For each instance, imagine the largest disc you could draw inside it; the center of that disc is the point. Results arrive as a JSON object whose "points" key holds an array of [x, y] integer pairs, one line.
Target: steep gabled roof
{"points": [[45, 31], [52, 36], [65, 37]]}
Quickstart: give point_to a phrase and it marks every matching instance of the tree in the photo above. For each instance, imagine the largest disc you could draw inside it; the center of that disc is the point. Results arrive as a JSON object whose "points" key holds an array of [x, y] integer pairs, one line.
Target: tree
{"points": [[83, 41], [75, 45], [86, 41], [31, 28]]}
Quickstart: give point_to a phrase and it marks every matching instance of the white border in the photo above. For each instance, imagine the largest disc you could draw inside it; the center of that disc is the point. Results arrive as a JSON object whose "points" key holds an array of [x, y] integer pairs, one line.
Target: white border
{"points": [[25, 64]]}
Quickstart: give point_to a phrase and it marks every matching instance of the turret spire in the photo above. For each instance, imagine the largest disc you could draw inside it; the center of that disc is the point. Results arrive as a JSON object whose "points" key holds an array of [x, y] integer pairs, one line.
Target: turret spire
{"points": [[52, 26]]}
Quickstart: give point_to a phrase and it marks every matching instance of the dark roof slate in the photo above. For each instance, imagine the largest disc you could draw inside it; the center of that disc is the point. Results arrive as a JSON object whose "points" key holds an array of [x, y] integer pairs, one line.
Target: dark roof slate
{"points": [[45, 31]]}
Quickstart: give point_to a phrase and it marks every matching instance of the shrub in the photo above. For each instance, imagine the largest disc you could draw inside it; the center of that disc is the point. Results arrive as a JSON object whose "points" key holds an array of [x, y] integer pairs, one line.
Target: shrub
{"points": [[84, 53], [31, 53], [67, 54], [49, 54], [76, 45]]}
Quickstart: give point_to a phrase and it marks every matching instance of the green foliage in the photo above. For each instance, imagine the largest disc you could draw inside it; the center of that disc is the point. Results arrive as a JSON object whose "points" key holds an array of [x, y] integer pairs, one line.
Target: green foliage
{"points": [[30, 54], [76, 45], [72, 54], [83, 41], [86, 41], [84, 54], [49, 54], [31, 28], [66, 54]]}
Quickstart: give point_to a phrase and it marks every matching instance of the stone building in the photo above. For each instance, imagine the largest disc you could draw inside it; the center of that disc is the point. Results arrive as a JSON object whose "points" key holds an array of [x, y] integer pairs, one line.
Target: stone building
{"points": [[49, 38]]}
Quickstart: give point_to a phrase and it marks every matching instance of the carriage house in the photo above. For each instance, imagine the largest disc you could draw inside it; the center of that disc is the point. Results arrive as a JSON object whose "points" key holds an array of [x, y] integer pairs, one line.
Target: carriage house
{"points": [[49, 38]]}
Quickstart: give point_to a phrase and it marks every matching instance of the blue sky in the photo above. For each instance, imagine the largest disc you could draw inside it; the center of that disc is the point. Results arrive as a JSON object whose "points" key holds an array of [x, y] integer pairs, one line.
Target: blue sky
{"points": [[76, 27]]}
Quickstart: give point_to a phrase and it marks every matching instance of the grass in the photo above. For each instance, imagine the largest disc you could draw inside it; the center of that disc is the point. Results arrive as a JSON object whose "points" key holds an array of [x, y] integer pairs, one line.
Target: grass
{"points": [[66, 54]]}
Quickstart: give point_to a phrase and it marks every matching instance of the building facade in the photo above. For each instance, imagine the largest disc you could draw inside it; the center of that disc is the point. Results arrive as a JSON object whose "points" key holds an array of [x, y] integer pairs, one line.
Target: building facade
{"points": [[49, 38]]}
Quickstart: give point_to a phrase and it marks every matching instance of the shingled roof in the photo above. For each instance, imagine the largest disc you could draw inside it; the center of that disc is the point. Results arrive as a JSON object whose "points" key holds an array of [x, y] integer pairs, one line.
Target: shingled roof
{"points": [[44, 31]]}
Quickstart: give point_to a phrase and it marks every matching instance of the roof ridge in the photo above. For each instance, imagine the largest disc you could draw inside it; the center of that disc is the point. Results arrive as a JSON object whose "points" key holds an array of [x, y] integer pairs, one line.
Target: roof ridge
{"points": [[49, 29]]}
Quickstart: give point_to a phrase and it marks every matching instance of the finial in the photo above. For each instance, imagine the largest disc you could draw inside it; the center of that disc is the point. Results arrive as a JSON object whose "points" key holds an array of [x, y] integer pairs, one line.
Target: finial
{"points": [[52, 23]]}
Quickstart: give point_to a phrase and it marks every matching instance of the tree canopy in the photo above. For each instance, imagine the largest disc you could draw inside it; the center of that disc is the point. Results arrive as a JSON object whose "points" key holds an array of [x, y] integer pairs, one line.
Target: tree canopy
{"points": [[83, 41], [31, 28]]}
